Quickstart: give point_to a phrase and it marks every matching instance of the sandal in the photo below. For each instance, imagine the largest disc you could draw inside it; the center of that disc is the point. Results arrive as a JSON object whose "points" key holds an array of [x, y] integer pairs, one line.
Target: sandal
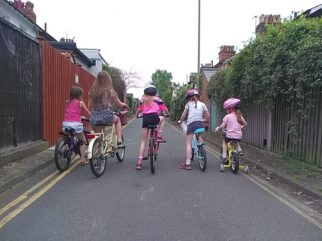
{"points": [[84, 163]]}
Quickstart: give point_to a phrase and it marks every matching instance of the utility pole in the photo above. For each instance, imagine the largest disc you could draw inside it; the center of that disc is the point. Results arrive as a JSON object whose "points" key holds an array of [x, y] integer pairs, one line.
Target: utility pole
{"points": [[198, 67]]}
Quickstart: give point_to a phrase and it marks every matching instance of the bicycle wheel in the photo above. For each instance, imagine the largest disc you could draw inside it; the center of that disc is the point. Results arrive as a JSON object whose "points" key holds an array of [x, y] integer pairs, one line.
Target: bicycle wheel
{"points": [[192, 153], [235, 162], [202, 158], [152, 156], [97, 162], [120, 153], [62, 155]]}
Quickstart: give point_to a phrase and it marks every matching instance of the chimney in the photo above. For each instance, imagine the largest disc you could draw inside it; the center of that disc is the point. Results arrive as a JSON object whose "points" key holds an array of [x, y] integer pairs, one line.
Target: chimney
{"points": [[26, 8], [226, 51]]}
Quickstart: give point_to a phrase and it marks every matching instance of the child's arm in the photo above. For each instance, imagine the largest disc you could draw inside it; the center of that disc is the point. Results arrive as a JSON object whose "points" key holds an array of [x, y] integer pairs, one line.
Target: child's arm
{"points": [[244, 123], [223, 124], [183, 116], [83, 106]]}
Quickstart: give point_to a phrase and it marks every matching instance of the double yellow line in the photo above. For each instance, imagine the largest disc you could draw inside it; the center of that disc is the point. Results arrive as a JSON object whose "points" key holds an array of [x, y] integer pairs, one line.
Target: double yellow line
{"points": [[29, 196]]}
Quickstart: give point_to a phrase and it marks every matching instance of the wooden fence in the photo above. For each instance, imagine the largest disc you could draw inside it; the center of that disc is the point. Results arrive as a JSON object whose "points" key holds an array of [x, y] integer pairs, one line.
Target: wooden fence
{"points": [[59, 75]]}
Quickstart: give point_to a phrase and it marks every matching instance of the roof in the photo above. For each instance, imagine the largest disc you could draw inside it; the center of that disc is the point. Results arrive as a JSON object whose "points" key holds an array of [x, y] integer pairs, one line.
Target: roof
{"points": [[71, 46], [41, 32], [314, 12]]}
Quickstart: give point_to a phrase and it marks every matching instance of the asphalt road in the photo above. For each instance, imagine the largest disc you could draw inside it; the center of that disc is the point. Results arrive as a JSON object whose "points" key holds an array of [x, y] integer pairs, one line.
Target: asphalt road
{"points": [[173, 204]]}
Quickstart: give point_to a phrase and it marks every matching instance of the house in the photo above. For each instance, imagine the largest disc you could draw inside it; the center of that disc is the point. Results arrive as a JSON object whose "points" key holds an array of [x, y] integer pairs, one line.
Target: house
{"points": [[97, 59]]}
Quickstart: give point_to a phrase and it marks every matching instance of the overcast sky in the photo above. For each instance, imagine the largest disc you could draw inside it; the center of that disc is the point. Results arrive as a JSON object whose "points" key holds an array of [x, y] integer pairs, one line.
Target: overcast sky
{"points": [[145, 35]]}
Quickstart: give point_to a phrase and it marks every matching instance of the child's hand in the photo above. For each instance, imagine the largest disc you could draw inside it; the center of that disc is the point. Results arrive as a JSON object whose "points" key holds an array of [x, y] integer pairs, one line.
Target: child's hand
{"points": [[217, 128], [179, 122]]}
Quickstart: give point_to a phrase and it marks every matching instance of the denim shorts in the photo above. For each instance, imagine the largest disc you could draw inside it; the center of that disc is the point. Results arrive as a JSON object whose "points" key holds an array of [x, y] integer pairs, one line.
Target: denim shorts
{"points": [[77, 126]]}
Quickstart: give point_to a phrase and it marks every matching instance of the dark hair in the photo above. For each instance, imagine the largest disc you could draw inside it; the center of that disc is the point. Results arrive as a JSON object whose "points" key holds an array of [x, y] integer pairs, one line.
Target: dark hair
{"points": [[76, 92]]}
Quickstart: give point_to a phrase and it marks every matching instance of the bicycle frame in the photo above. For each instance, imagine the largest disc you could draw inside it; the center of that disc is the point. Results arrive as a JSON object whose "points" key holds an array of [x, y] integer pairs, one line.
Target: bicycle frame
{"points": [[231, 151]]}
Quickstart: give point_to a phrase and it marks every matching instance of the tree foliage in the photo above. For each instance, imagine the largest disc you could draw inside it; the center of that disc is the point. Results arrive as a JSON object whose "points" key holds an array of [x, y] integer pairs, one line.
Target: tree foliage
{"points": [[161, 79], [178, 101], [285, 60], [118, 81]]}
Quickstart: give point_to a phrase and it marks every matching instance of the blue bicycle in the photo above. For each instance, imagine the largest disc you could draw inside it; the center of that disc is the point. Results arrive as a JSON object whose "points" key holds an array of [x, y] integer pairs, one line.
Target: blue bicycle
{"points": [[198, 150]]}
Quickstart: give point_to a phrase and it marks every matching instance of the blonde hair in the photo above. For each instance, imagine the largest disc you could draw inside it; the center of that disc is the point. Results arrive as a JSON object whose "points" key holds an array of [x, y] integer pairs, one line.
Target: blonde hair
{"points": [[102, 86]]}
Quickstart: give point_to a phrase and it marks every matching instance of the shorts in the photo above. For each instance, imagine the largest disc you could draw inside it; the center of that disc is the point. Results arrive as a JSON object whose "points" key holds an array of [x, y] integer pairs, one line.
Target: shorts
{"points": [[101, 117], [77, 126], [150, 119], [228, 139], [194, 126]]}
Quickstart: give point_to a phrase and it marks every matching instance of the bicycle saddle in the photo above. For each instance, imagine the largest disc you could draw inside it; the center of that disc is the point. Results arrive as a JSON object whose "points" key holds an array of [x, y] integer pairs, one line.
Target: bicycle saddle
{"points": [[69, 131], [199, 131]]}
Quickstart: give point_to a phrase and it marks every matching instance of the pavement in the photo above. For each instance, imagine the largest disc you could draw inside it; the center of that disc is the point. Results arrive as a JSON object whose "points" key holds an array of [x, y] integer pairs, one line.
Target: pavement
{"points": [[304, 178]]}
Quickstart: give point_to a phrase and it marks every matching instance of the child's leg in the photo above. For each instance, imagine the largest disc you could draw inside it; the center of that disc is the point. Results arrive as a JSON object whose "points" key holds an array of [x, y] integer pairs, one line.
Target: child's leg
{"points": [[238, 148], [188, 149], [224, 150], [82, 148], [160, 126], [118, 128], [143, 142]]}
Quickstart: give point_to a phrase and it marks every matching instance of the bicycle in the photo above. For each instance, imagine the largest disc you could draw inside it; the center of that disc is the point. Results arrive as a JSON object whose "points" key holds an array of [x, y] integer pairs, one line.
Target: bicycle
{"points": [[198, 151], [153, 147], [102, 146], [67, 145], [233, 159]]}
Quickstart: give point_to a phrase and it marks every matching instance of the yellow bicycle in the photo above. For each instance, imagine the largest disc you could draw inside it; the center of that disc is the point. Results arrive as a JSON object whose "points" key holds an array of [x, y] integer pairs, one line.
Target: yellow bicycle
{"points": [[233, 159]]}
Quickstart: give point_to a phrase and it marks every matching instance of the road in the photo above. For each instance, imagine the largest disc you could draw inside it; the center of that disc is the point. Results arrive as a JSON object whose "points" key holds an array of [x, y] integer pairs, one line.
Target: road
{"points": [[173, 204]]}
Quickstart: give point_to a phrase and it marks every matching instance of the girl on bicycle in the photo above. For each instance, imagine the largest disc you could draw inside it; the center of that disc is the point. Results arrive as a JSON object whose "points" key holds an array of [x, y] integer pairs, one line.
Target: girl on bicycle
{"points": [[102, 97], [74, 107], [197, 112], [151, 107], [232, 126]]}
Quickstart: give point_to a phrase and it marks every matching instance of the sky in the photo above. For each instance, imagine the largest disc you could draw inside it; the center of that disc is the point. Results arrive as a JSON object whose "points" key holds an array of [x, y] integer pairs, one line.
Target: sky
{"points": [[142, 36]]}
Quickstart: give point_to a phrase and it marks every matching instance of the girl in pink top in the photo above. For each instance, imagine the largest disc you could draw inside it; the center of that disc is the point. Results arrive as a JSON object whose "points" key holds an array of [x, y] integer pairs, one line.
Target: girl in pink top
{"points": [[232, 125], [72, 117], [151, 108]]}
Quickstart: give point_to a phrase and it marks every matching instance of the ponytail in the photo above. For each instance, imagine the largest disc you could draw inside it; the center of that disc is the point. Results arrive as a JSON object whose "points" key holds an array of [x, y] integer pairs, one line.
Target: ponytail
{"points": [[195, 99]]}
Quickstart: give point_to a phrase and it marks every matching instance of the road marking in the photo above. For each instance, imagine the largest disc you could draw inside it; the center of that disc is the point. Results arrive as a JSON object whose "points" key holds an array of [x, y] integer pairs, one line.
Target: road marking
{"points": [[25, 194], [34, 197], [265, 186]]}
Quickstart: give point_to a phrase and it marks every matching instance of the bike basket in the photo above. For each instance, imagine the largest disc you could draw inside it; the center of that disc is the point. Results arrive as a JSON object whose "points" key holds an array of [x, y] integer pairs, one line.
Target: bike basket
{"points": [[123, 117], [184, 127]]}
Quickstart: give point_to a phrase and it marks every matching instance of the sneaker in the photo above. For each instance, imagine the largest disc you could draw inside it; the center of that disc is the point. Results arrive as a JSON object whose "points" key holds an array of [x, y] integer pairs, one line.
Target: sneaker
{"points": [[184, 166], [160, 139], [138, 165], [240, 153], [120, 144], [224, 161]]}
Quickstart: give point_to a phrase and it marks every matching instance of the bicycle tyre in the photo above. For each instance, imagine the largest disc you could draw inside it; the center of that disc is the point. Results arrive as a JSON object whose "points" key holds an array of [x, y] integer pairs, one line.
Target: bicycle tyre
{"points": [[97, 162], [234, 162], [120, 153], [192, 153], [62, 156], [202, 158], [152, 156]]}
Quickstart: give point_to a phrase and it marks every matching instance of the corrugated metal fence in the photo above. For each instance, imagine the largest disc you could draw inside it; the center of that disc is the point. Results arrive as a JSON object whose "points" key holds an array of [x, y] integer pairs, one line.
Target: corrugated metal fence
{"points": [[20, 116], [59, 75]]}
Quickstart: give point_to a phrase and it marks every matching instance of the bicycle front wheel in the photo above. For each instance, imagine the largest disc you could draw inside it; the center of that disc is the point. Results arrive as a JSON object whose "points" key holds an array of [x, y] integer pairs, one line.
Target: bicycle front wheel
{"points": [[235, 162], [98, 162], [62, 155], [120, 153], [202, 158], [152, 156]]}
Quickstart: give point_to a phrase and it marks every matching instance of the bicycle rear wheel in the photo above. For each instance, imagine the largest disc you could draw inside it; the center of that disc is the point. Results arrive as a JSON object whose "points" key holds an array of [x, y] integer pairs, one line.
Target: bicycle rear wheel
{"points": [[120, 153], [152, 156], [98, 161], [62, 155], [235, 162], [202, 158]]}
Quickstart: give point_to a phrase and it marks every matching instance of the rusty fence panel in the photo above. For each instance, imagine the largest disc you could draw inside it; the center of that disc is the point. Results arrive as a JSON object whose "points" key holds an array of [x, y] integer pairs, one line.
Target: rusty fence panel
{"points": [[59, 75], [20, 98]]}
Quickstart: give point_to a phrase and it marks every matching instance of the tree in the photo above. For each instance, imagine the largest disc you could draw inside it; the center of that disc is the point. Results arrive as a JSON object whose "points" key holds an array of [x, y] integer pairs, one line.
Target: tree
{"points": [[118, 81], [161, 79], [132, 80]]}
